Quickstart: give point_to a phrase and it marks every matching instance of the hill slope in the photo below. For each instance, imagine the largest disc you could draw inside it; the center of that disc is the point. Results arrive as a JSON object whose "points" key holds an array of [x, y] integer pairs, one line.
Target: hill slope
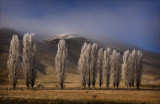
{"points": [[5, 37], [47, 51], [151, 61]]}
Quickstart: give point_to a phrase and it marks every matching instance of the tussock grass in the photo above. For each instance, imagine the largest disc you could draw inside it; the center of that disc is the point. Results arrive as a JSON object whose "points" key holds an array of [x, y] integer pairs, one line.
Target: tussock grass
{"points": [[111, 96]]}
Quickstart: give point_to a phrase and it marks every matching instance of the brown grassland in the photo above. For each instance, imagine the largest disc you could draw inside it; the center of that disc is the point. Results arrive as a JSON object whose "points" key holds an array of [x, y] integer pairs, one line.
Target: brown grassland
{"points": [[73, 92]]}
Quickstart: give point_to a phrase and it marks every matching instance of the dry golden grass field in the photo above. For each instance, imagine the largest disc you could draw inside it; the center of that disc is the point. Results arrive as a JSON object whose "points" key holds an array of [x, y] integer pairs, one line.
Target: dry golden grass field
{"points": [[73, 92], [83, 96]]}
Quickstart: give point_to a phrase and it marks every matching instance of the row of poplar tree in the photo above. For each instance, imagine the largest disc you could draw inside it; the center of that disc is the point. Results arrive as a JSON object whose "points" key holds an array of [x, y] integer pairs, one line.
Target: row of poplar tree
{"points": [[109, 65], [28, 60], [93, 61]]}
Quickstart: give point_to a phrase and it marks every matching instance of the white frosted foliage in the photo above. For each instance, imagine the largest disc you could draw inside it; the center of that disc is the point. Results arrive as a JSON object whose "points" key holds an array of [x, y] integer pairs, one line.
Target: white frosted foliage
{"points": [[107, 66], [12, 63], [116, 68], [82, 65], [125, 74], [138, 71], [93, 63], [61, 61], [29, 59], [87, 62], [132, 68], [99, 66]]}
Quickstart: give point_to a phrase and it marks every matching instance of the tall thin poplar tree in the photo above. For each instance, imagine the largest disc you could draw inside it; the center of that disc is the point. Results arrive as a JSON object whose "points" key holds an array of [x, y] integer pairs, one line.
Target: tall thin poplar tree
{"points": [[12, 63], [93, 64], [82, 66], [29, 59], [61, 62], [99, 66], [107, 65]]}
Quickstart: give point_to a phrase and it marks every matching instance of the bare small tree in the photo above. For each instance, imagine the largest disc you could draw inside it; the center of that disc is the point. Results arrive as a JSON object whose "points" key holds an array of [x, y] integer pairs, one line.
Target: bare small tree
{"points": [[82, 66], [29, 59], [107, 65], [99, 66], [61, 61], [138, 71], [12, 63], [116, 68], [93, 64], [125, 73]]}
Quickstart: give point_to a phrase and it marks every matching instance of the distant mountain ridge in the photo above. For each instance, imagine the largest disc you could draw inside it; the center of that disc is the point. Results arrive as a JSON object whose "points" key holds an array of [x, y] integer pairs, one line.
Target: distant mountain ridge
{"points": [[63, 36]]}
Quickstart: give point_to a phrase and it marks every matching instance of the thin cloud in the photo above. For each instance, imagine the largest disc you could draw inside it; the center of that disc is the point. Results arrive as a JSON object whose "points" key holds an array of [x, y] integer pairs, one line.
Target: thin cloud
{"points": [[126, 21]]}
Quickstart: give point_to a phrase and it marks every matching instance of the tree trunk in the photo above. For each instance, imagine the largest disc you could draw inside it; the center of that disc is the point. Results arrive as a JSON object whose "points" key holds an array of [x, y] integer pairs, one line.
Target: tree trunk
{"points": [[93, 87], [14, 87]]}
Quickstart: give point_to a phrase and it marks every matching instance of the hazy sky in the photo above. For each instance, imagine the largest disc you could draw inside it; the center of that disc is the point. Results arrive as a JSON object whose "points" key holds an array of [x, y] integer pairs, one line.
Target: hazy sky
{"points": [[136, 22]]}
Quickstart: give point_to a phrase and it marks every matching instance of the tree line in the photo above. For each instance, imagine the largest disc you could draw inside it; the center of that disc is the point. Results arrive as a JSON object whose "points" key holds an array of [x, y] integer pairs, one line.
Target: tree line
{"points": [[109, 65], [93, 62], [28, 60]]}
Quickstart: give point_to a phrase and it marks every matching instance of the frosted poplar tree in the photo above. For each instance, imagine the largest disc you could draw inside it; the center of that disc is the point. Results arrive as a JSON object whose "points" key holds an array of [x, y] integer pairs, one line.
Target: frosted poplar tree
{"points": [[82, 66], [99, 66], [29, 59], [129, 70], [61, 61], [125, 73], [113, 67], [116, 68], [138, 71], [12, 63], [88, 60], [133, 67], [93, 64], [107, 65], [119, 70]]}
